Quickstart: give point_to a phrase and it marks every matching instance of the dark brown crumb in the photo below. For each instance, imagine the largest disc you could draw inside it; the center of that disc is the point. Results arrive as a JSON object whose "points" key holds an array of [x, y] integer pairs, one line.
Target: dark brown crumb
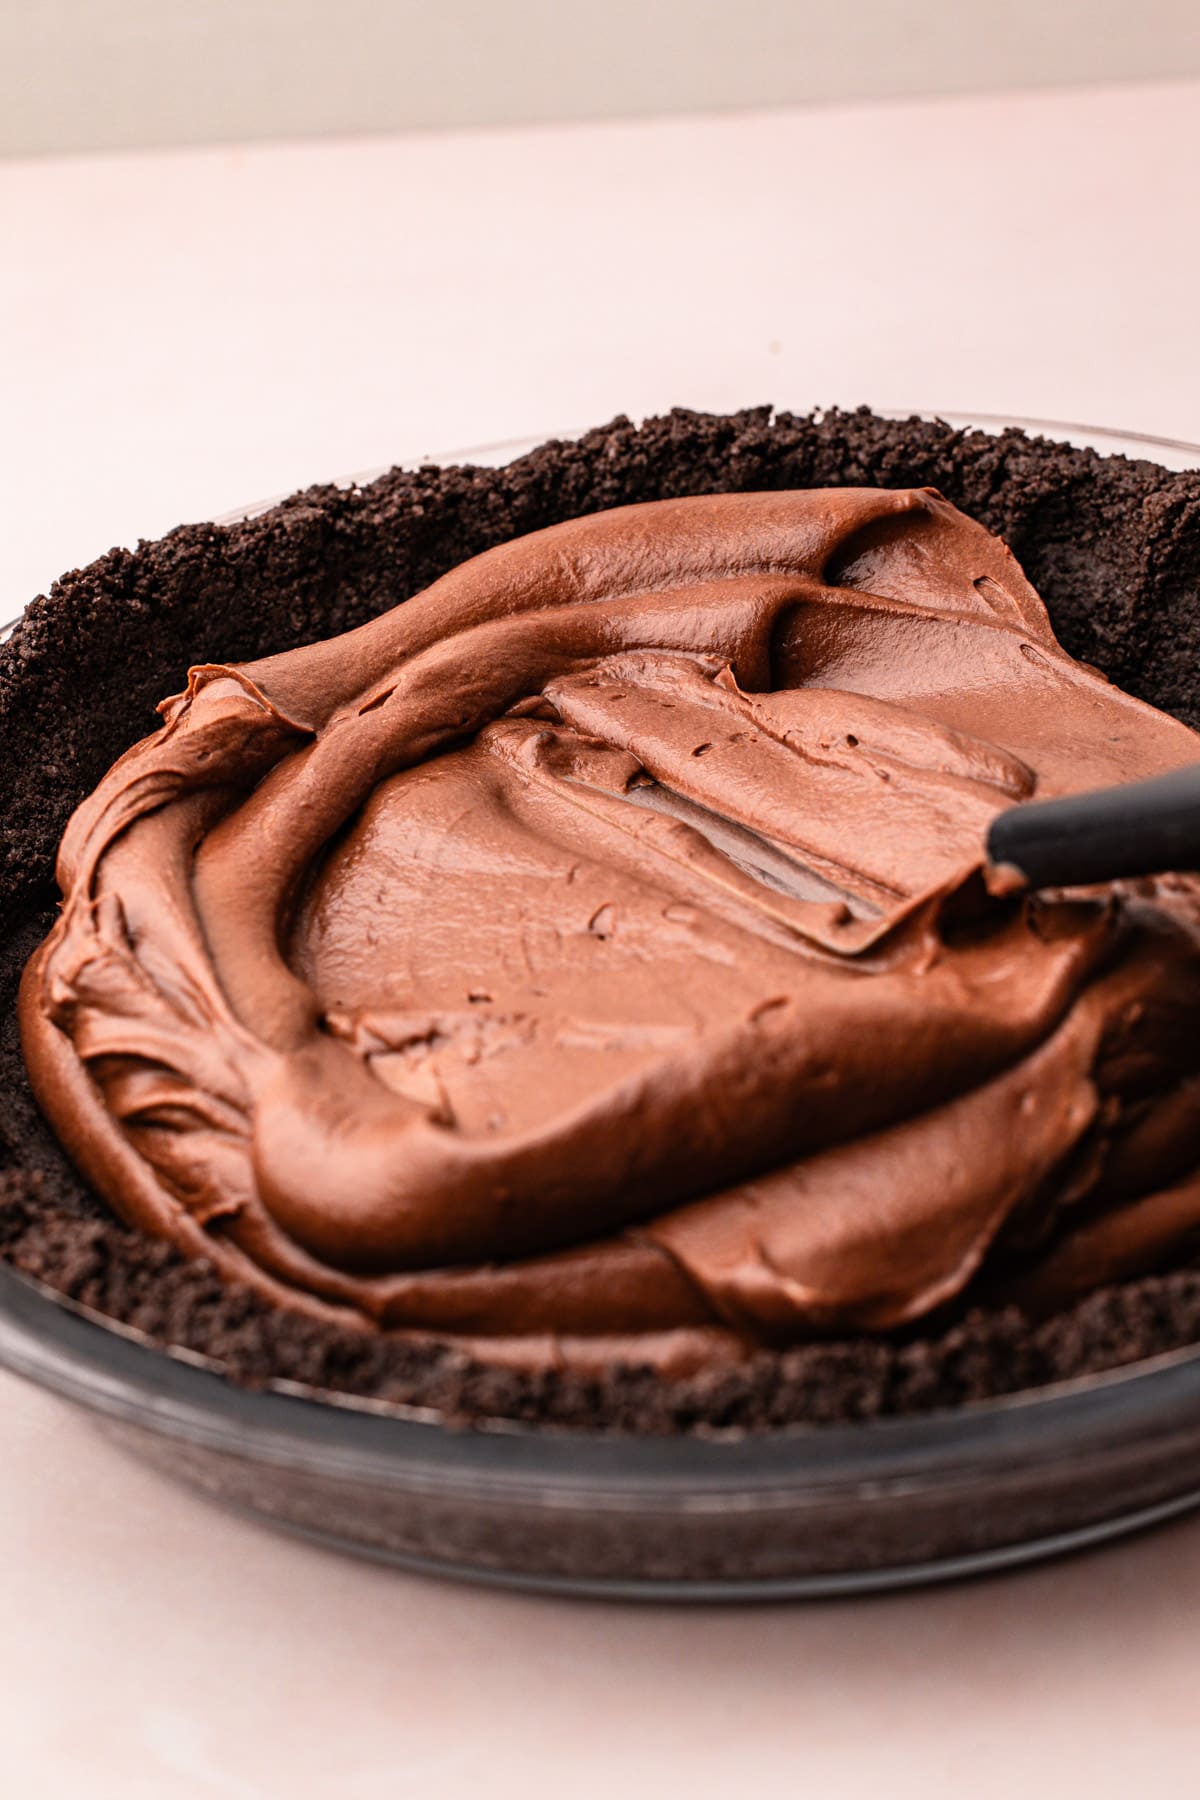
{"points": [[1112, 545]]}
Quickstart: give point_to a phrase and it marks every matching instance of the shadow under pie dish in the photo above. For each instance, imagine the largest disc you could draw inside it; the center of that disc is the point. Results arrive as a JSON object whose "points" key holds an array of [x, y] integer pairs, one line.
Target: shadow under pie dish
{"points": [[680, 804]]}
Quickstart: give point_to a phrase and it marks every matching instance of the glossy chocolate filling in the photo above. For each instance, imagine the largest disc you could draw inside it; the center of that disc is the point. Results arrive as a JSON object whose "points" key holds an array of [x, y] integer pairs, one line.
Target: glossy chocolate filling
{"points": [[591, 958]]}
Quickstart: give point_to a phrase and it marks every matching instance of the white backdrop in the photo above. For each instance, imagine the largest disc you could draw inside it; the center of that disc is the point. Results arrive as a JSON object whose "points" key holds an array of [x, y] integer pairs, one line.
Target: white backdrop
{"points": [[87, 74]]}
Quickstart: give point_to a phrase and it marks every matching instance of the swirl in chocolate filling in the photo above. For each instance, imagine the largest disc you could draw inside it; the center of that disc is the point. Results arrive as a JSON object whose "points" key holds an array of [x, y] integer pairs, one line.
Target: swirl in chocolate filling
{"points": [[591, 957]]}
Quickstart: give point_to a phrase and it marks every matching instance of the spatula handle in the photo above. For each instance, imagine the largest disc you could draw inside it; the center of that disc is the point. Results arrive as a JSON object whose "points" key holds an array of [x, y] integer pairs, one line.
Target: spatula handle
{"points": [[1145, 828]]}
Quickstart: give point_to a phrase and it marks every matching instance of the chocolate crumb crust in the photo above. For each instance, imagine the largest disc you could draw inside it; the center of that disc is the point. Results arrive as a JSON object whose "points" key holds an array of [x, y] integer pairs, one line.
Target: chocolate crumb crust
{"points": [[1112, 545]]}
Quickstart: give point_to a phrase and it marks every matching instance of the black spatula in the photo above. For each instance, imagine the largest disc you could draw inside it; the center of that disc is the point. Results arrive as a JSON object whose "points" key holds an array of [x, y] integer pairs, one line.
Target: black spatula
{"points": [[1145, 828]]}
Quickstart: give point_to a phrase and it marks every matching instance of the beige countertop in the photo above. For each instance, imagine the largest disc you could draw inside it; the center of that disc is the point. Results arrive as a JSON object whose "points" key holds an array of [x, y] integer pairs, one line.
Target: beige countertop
{"points": [[184, 331]]}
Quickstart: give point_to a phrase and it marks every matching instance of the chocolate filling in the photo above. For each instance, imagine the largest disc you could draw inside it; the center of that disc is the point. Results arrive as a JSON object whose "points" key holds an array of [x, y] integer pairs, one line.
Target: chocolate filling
{"points": [[325, 562]]}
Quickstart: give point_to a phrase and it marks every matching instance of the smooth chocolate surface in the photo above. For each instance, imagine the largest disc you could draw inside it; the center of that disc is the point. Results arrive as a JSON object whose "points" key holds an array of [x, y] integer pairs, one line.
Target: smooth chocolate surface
{"points": [[589, 960]]}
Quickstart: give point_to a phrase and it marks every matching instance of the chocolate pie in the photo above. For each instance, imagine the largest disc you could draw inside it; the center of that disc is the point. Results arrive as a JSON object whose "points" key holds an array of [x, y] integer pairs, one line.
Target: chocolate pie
{"points": [[543, 963]]}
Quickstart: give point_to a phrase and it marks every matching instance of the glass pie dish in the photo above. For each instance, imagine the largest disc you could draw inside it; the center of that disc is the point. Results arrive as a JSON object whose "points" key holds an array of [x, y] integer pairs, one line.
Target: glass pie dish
{"points": [[813, 1510]]}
